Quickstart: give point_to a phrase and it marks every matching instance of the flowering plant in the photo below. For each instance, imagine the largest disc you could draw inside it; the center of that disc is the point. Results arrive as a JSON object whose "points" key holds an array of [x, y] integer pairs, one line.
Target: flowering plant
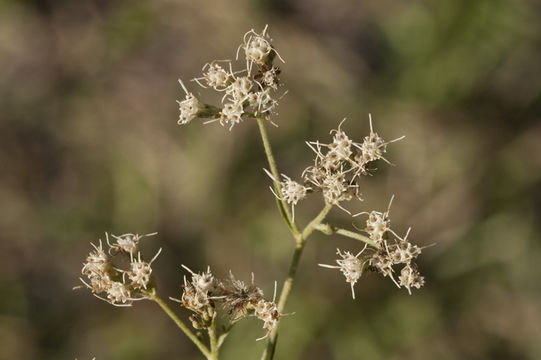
{"points": [[119, 274]]}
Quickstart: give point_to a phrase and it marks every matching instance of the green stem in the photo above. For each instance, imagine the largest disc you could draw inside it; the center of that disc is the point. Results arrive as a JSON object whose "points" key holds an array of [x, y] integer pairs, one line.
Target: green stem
{"points": [[282, 205], [214, 347], [268, 354], [153, 296], [328, 229]]}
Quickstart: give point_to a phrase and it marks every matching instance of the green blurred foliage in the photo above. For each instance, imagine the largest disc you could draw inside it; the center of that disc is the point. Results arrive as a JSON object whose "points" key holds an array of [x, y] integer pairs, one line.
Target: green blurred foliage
{"points": [[89, 143]]}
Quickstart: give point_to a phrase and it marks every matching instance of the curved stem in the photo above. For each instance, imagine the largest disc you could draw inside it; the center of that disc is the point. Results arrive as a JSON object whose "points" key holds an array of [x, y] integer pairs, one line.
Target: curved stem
{"points": [[286, 289], [153, 296], [282, 205]]}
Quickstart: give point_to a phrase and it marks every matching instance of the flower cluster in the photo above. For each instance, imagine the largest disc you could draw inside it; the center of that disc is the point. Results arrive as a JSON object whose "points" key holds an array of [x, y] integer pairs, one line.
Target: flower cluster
{"points": [[339, 164], [203, 293], [380, 254], [247, 94], [120, 286], [336, 170]]}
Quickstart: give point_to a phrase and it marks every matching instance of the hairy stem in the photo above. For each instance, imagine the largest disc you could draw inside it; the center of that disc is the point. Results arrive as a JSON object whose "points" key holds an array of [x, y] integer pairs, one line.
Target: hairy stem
{"points": [[268, 353], [328, 229], [282, 205], [153, 296]]}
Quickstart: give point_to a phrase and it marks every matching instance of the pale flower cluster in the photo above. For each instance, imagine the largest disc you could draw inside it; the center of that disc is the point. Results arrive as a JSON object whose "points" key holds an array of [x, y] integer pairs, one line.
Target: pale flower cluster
{"points": [[337, 169], [339, 164], [119, 287], [204, 293], [247, 93], [382, 254]]}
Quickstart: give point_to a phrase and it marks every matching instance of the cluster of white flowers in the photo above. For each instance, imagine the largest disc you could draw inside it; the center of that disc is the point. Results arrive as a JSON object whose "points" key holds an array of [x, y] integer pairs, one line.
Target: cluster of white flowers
{"points": [[382, 254], [247, 95], [339, 164], [203, 293], [121, 287], [400, 251], [336, 170]]}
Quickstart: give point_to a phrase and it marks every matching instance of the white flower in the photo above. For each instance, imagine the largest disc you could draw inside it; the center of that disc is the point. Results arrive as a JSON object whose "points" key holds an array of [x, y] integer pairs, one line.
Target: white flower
{"points": [[372, 147], [351, 266], [231, 114], [239, 89], [189, 107], [140, 271], [257, 48], [378, 223], [126, 242], [292, 192], [118, 293], [96, 262], [410, 277], [216, 77]]}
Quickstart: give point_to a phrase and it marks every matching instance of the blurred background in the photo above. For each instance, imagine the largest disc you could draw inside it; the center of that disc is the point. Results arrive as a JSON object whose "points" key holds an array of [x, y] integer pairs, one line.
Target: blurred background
{"points": [[89, 143]]}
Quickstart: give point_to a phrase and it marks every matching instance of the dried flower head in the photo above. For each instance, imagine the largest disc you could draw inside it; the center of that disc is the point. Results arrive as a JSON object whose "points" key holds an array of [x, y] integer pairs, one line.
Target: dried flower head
{"points": [[338, 165], [231, 114], [126, 243], [377, 223], [140, 271], [291, 191], [204, 292], [96, 262], [189, 107], [351, 266], [257, 48], [120, 286], [373, 147], [410, 277], [214, 75]]}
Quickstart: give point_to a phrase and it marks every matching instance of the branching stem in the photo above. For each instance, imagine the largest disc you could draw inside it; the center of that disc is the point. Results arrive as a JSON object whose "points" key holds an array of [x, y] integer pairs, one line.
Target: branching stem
{"points": [[328, 229], [154, 297]]}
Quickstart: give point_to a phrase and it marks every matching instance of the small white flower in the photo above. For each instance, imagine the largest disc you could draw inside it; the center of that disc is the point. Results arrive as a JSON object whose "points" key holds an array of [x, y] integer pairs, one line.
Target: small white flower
{"points": [[231, 114], [292, 192], [270, 78], [215, 76], [126, 242], [140, 271], [410, 277], [341, 145], [239, 89], [267, 311], [378, 223], [189, 107], [263, 102], [351, 266], [257, 48], [372, 147], [96, 262], [118, 293]]}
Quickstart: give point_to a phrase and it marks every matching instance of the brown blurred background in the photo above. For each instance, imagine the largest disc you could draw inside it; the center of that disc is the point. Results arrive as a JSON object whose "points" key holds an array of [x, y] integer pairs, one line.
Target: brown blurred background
{"points": [[89, 143]]}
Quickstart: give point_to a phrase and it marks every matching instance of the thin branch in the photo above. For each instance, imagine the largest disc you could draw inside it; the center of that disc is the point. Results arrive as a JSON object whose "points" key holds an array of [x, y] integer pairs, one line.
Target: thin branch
{"points": [[328, 229], [286, 289], [153, 296]]}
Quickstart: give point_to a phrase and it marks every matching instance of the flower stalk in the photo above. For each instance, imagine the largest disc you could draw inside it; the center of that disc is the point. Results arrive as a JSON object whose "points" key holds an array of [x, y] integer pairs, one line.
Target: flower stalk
{"points": [[185, 329]]}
